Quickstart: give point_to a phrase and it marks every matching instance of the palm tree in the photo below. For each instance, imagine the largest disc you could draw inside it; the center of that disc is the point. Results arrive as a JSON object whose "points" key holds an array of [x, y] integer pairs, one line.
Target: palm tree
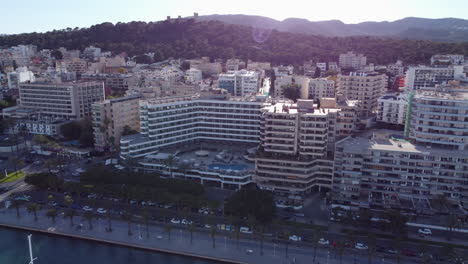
{"points": [[440, 201], [146, 216], [109, 221], [286, 235], [191, 228], [169, 162], [16, 204], [89, 216], [168, 228], [315, 239], [70, 213], [184, 167], [261, 237], [339, 250], [371, 243], [32, 208], [126, 216], [450, 222], [397, 242], [237, 231], [252, 222], [213, 234], [52, 213]]}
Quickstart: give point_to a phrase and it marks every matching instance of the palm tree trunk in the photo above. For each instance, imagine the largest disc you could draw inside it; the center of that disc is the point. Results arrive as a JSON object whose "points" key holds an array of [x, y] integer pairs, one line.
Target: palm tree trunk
{"points": [[71, 220], [129, 229], [35, 215]]}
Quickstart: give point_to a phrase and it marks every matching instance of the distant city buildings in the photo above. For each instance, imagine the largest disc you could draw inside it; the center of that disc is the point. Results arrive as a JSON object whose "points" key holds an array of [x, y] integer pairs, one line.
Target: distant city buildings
{"points": [[240, 83], [351, 60], [321, 88], [365, 87], [447, 59], [61, 100]]}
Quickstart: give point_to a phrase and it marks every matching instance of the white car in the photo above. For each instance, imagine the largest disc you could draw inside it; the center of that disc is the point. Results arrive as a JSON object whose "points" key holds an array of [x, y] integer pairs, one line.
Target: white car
{"points": [[323, 241], [245, 230], [361, 246], [295, 238], [175, 221], [101, 210], [87, 208], [186, 222], [425, 231]]}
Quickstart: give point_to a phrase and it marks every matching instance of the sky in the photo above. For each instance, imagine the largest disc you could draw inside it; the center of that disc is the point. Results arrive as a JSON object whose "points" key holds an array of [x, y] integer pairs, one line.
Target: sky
{"points": [[44, 15]]}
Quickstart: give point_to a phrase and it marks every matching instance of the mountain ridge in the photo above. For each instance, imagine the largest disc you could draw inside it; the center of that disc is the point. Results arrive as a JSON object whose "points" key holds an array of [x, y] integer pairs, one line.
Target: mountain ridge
{"points": [[435, 29]]}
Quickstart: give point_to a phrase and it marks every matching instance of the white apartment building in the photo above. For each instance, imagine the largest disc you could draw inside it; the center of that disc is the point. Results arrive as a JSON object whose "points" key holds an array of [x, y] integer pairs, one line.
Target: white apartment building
{"points": [[92, 52], [440, 119], [193, 75], [295, 146], [322, 66], [22, 54], [240, 83], [21, 75], [61, 100], [258, 66], [110, 117], [426, 78], [282, 82], [456, 59], [183, 120], [283, 70], [397, 68], [365, 87], [333, 66], [321, 88], [379, 169], [392, 108], [72, 65], [351, 60]]}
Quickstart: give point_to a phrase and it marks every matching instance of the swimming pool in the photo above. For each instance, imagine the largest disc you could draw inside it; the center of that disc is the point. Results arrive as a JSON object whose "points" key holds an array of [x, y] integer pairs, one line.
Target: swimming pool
{"points": [[236, 167]]}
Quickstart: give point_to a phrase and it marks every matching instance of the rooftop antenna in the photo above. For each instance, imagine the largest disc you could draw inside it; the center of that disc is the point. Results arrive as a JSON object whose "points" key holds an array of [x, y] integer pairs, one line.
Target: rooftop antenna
{"points": [[32, 259]]}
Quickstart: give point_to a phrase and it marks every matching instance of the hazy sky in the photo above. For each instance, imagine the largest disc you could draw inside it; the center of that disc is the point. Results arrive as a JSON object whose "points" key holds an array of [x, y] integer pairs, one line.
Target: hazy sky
{"points": [[43, 15]]}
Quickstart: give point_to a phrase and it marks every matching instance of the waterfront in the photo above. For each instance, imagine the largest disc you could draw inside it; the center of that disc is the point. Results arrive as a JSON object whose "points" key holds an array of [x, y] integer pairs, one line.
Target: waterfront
{"points": [[61, 250]]}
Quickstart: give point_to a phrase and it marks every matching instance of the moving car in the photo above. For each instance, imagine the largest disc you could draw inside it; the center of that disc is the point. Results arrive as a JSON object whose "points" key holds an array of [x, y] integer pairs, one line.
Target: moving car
{"points": [[175, 221], [295, 238], [245, 230], [323, 241], [425, 231], [360, 246], [87, 208]]}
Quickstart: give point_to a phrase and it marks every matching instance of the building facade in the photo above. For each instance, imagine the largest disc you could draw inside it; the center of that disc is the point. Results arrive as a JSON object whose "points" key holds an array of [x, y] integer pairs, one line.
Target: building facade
{"points": [[379, 169], [426, 78], [321, 88], [351, 60], [392, 108], [110, 119], [365, 87], [62, 100], [182, 120], [240, 83]]}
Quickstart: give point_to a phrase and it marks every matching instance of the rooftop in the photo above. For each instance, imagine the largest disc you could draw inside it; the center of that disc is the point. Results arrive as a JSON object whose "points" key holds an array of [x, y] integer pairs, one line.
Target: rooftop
{"points": [[391, 140]]}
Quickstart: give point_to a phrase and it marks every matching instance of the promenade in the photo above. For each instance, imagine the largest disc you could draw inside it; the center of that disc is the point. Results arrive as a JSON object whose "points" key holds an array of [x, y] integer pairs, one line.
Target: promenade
{"points": [[226, 249]]}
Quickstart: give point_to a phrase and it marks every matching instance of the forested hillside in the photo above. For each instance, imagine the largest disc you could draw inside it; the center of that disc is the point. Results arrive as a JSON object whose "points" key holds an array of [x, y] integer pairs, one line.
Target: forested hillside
{"points": [[188, 39]]}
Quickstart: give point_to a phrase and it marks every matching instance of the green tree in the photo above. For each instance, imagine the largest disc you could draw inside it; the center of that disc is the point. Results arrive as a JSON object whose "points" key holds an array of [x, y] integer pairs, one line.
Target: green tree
{"points": [[88, 215], [292, 91], [33, 208], [52, 214], [70, 213], [251, 202], [127, 217], [16, 204], [450, 222]]}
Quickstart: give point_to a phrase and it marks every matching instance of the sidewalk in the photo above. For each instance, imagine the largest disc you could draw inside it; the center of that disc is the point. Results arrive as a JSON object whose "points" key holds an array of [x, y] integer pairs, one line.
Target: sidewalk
{"points": [[226, 248]]}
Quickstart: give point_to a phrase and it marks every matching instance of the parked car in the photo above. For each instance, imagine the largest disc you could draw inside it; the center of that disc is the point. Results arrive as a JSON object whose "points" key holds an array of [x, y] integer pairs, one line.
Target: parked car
{"points": [[101, 210], [87, 208], [175, 221], [295, 238], [245, 230], [392, 251], [360, 246], [409, 253], [186, 222], [323, 242], [425, 231]]}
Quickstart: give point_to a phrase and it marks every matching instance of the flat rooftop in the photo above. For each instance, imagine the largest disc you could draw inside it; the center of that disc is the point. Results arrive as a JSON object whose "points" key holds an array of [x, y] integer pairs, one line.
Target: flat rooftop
{"points": [[390, 140]]}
